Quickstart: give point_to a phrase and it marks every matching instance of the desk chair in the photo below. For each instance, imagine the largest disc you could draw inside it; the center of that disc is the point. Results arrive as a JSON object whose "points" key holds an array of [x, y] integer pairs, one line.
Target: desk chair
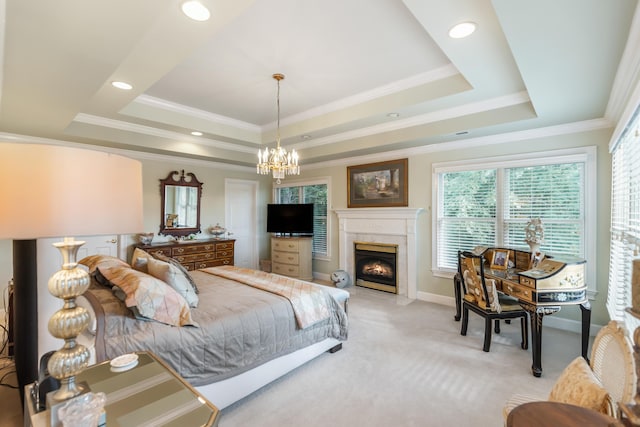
{"points": [[482, 297]]}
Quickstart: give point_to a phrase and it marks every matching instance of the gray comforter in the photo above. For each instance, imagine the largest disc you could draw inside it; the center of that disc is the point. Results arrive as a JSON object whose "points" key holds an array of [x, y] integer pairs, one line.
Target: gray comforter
{"points": [[241, 327]]}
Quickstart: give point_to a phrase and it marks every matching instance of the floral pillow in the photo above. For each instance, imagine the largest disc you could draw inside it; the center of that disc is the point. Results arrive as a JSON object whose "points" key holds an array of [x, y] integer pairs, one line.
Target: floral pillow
{"points": [[150, 297], [579, 386]]}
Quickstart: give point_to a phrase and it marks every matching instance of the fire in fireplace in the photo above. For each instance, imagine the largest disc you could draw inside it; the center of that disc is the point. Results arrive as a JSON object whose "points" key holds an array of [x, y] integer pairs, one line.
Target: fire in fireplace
{"points": [[375, 266]]}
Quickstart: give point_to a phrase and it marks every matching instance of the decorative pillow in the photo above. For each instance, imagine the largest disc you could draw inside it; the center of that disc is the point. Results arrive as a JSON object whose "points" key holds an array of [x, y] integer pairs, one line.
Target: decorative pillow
{"points": [[103, 261], [139, 260], [180, 267], [579, 386], [150, 297], [170, 274]]}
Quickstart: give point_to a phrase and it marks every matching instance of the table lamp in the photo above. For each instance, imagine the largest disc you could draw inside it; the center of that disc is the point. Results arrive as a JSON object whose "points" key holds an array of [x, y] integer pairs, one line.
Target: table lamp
{"points": [[57, 191]]}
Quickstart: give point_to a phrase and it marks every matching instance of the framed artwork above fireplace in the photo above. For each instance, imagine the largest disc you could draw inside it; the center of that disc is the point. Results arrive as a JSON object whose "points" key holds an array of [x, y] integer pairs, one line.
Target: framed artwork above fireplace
{"points": [[381, 184]]}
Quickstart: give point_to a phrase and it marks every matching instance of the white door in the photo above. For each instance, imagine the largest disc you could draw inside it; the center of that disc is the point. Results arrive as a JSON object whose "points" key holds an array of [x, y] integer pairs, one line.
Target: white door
{"points": [[241, 205]]}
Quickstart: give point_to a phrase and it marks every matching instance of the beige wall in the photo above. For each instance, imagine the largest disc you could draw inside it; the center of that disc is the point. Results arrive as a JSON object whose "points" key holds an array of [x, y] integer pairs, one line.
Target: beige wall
{"points": [[420, 195]]}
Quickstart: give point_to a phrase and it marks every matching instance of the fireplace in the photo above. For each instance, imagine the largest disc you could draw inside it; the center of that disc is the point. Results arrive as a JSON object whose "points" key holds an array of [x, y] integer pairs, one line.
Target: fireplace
{"points": [[393, 226], [376, 266]]}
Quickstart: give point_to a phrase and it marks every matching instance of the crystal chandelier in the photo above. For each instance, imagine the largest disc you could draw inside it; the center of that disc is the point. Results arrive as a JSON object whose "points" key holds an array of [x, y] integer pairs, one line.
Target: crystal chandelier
{"points": [[277, 160]]}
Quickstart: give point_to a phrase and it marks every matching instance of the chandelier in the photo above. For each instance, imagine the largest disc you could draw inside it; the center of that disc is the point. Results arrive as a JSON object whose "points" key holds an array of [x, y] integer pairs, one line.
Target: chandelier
{"points": [[277, 160]]}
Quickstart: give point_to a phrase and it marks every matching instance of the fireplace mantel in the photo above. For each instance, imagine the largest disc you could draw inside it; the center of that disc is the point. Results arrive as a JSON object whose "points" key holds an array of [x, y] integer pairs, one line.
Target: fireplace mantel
{"points": [[382, 225]]}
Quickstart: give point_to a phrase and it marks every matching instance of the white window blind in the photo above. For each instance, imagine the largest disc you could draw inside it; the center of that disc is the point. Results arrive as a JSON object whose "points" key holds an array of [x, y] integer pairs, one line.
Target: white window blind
{"points": [[488, 203], [625, 221], [315, 192]]}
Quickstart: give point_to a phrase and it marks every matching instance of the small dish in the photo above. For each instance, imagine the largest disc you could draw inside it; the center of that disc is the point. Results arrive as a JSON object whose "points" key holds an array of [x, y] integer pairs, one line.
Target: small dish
{"points": [[124, 361]]}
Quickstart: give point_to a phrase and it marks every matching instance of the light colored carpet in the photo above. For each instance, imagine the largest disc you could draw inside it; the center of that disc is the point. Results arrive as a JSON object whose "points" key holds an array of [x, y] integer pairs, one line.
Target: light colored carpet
{"points": [[406, 364]]}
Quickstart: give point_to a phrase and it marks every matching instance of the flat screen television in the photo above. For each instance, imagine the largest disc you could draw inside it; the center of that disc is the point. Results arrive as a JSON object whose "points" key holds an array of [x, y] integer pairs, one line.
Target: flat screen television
{"points": [[293, 218]]}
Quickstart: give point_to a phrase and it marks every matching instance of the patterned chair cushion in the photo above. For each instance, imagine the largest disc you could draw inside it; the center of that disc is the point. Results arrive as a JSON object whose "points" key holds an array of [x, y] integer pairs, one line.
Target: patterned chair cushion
{"points": [[578, 385]]}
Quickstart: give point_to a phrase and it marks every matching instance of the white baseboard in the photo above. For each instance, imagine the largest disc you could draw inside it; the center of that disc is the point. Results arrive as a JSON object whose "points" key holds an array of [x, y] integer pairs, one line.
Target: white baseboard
{"points": [[549, 321]]}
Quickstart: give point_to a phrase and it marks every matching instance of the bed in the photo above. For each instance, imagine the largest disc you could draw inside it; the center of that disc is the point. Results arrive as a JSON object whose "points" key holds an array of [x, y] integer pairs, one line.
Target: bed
{"points": [[247, 329]]}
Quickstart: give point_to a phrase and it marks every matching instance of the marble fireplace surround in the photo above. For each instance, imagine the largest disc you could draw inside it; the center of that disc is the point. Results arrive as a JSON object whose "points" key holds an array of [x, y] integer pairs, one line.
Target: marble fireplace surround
{"points": [[397, 226]]}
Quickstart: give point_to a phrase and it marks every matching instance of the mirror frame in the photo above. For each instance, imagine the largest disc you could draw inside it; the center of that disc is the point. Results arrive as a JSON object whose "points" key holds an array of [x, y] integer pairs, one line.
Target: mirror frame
{"points": [[179, 179]]}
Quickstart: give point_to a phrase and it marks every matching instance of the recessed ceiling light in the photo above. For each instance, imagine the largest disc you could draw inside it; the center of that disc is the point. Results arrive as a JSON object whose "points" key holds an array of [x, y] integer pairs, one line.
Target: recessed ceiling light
{"points": [[306, 136], [393, 115], [196, 133], [195, 10], [462, 30], [122, 85]]}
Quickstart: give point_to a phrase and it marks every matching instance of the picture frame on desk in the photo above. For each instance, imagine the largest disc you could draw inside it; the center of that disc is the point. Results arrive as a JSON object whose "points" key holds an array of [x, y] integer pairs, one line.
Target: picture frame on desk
{"points": [[500, 259]]}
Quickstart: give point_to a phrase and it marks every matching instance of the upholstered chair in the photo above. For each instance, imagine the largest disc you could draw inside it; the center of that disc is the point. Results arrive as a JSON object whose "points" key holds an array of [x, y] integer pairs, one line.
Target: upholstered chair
{"points": [[602, 384]]}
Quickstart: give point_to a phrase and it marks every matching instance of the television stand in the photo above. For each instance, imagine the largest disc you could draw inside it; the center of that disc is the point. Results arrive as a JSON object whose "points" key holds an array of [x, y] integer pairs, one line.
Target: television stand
{"points": [[292, 256]]}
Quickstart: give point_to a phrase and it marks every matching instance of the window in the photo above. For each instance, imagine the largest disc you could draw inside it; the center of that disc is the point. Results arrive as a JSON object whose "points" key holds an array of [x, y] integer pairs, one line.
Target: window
{"points": [[316, 192], [625, 221], [488, 202]]}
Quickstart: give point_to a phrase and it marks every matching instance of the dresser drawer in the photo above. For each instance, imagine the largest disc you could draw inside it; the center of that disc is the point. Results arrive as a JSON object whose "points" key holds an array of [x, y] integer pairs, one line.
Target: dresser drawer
{"points": [[192, 249], [285, 245], [165, 252], [228, 253], [224, 246], [195, 257], [523, 293], [212, 263], [285, 269], [286, 258], [189, 266]]}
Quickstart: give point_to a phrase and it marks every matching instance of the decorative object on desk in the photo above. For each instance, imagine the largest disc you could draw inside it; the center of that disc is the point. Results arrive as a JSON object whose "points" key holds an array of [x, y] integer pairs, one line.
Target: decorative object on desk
{"points": [[83, 411], [381, 184], [340, 279], [534, 236], [217, 231], [58, 194], [145, 238], [500, 259]]}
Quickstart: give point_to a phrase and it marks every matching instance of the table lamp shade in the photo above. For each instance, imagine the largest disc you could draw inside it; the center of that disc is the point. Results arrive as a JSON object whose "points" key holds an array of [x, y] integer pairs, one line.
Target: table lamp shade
{"points": [[55, 191]]}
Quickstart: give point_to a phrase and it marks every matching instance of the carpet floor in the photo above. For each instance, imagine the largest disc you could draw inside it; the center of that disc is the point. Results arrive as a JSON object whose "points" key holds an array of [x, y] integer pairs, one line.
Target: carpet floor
{"points": [[406, 364]]}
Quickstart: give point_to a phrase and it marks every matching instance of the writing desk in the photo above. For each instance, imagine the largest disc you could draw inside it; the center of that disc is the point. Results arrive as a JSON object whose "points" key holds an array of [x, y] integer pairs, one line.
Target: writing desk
{"points": [[543, 290], [151, 393]]}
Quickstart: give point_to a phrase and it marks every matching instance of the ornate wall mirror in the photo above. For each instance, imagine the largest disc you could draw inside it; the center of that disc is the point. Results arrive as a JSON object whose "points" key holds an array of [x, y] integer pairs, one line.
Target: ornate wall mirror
{"points": [[180, 206]]}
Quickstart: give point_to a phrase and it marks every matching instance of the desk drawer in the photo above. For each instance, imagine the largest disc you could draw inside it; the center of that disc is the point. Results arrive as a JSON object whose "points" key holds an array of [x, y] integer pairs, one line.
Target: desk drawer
{"points": [[527, 281], [523, 293]]}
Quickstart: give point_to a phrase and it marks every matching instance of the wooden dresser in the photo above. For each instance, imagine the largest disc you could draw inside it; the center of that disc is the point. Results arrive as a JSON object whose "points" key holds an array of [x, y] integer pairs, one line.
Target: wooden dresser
{"points": [[195, 254], [292, 256]]}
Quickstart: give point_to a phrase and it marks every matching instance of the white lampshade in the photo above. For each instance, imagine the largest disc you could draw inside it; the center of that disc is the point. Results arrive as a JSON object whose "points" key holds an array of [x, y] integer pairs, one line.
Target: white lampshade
{"points": [[55, 191]]}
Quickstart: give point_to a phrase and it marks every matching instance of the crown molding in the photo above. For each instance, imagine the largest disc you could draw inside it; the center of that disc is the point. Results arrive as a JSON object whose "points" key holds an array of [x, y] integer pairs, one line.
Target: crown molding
{"points": [[160, 133]]}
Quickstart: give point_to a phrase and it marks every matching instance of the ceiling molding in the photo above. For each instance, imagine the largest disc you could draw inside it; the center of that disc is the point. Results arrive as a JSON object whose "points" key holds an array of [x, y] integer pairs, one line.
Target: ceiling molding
{"points": [[495, 139], [422, 119], [370, 95], [154, 102], [160, 133]]}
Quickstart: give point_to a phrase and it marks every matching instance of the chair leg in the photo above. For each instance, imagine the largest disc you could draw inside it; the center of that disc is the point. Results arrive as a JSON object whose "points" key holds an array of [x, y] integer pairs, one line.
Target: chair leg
{"points": [[465, 321], [497, 326], [487, 334], [524, 328]]}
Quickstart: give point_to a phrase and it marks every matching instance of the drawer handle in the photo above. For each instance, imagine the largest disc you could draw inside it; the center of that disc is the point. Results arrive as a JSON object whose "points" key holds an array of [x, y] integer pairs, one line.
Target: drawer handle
{"points": [[180, 258], [208, 247], [290, 258], [180, 250], [226, 261]]}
